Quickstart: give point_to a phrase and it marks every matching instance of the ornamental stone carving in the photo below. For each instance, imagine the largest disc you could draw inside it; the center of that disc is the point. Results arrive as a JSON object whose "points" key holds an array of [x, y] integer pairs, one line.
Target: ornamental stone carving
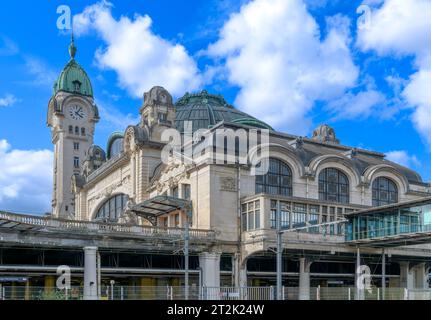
{"points": [[228, 184]]}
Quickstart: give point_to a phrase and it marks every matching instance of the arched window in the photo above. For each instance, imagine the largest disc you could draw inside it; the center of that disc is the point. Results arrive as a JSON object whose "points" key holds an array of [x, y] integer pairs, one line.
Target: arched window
{"points": [[385, 191], [112, 209], [277, 181], [333, 186]]}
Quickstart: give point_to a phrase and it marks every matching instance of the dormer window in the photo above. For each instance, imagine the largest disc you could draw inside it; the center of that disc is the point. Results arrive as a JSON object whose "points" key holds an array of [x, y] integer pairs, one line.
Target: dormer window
{"points": [[76, 86], [163, 117]]}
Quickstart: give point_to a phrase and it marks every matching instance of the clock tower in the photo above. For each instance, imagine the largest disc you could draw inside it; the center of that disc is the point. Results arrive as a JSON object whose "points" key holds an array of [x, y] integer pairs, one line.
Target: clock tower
{"points": [[72, 115]]}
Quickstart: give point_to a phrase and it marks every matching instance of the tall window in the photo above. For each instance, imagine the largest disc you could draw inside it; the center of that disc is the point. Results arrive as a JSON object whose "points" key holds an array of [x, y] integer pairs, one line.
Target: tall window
{"points": [[76, 146], [277, 181], [251, 216], [71, 129], [333, 186], [112, 208], [76, 162], [174, 192], [186, 192], [385, 191], [77, 130], [82, 131]]}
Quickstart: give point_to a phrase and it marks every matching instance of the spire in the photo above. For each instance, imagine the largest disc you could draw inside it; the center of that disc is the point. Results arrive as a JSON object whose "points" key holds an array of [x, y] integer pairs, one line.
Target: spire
{"points": [[72, 48]]}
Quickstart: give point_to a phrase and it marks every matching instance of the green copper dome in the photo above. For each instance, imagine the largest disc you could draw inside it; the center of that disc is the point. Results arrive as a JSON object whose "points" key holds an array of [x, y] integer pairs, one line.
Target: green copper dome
{"points": [[205, 110], [73, 78]]}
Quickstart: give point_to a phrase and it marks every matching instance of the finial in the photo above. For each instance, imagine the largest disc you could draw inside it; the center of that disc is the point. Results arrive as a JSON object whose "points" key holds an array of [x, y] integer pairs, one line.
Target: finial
{"points": [[72, 47]]}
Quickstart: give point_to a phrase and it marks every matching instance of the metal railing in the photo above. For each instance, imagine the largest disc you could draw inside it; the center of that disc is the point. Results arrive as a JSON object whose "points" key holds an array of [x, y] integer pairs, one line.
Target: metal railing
{"points": [[212, 293], [97, 227], [40, 293], [351, 293]]}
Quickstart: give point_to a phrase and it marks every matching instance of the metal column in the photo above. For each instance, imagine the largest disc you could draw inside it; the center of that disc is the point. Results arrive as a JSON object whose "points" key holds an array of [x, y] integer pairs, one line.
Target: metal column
{"points": [[279, 254], [186, 256], [383, 273], [358, 265]]}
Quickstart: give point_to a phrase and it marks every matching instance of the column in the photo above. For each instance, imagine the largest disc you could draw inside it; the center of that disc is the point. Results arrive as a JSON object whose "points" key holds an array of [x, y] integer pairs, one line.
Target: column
{"points": [[147, 288], [406, 276], [49, 284], [243, 282], [90, 273], [210, 265], [27, 290], [239, 271], [420, 276], [304, 278]]}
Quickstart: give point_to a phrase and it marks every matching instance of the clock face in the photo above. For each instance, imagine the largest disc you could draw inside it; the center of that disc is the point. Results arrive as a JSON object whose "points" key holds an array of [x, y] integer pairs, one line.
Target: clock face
{"points": [[77, 112]]}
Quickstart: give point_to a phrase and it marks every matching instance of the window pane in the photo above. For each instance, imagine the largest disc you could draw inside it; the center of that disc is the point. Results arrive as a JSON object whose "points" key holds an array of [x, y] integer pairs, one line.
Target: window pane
{"points": [[277, 181]]}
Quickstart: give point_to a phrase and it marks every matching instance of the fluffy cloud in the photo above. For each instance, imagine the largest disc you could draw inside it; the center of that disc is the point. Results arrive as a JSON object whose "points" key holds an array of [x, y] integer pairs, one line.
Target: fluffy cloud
{"points": [[25, 179], [8, 100], [402, 28], [352, 106], [403, 158], [141, 58], [273, 51]]}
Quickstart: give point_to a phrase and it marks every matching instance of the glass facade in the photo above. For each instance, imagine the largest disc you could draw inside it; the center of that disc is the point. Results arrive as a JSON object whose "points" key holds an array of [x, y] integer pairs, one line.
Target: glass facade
{"points": [[277, 181], [389, 223], [333, 186], [297, 215], [385, 192], [112, 208]]}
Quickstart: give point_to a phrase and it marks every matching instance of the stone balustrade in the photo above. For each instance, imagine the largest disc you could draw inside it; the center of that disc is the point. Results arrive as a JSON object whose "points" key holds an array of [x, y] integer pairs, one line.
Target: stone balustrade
{"points": [[49, 223]]}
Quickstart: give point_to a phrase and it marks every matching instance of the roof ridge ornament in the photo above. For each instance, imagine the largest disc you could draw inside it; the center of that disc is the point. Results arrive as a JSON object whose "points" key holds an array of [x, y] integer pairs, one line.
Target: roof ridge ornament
{"points": [[72, 48], [325, 134]]}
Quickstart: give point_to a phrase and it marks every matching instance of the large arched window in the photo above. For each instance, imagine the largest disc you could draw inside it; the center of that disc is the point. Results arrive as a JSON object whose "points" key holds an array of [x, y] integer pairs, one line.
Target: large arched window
{"points": [[277, 181], [112, 209], [385, 191], [333, 186]]}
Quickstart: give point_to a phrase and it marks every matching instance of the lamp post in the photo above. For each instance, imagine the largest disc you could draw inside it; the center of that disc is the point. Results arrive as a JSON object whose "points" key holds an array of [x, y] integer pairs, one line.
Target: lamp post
{"points": [[186, 252], [279, 253]]}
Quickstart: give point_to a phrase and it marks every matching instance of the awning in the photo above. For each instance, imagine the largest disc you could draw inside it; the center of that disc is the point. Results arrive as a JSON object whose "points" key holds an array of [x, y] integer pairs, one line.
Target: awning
{"points": [[153, 208]]}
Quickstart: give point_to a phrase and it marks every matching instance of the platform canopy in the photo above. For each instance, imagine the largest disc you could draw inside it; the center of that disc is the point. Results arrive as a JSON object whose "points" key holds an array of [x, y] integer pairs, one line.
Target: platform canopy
{"points": [[155, 207]]}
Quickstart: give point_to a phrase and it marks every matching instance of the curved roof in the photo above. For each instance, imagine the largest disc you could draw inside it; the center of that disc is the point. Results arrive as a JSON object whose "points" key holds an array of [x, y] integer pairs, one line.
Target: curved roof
{"points": [[73, 78], [206, 110], [113, 137]]}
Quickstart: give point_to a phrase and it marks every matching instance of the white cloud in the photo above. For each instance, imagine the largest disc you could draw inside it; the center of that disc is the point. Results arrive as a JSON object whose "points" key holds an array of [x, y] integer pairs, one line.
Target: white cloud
{"points": [[25, 185], [360, 105], [115, 120], [402, 28], [140, 58], [403, 158], [43, 74], [8, 47], [8, 100], [272, 50]]}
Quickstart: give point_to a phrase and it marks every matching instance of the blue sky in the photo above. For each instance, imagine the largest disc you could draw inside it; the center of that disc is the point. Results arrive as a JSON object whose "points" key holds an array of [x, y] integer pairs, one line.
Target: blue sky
{"points": [[292, 63]]}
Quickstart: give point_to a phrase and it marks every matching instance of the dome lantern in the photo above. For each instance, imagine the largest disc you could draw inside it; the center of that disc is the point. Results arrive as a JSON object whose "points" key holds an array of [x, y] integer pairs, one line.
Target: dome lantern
{"points": [[73, 78]]}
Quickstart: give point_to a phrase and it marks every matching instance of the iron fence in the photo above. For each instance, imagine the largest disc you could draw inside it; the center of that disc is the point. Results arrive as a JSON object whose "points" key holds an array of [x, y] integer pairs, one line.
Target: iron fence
{"points": [[213, 293]]}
